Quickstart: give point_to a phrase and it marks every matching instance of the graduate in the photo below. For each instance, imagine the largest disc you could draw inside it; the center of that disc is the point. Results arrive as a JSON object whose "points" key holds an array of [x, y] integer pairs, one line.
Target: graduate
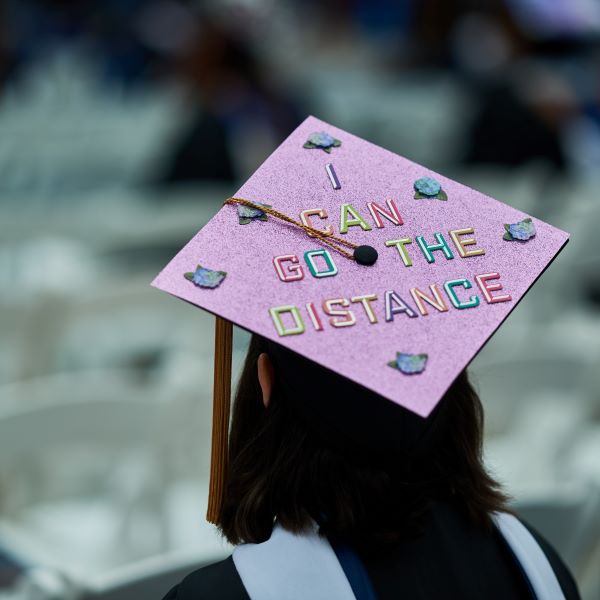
{"points": [[352, 466]]}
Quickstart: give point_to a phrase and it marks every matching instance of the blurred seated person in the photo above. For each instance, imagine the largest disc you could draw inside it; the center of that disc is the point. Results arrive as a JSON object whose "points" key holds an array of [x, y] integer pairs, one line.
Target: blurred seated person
{"points": [[240, 113]]}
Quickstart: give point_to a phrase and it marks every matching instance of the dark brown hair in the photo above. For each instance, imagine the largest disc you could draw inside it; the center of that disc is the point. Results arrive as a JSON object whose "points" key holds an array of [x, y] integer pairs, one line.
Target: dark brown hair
{"points": [[281, 465]]}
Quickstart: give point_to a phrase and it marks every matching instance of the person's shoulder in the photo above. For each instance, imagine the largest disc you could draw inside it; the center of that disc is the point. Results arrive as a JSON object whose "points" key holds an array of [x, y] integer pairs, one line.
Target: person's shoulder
{"points": [[562, 572], [218, 580], [457, 526]]}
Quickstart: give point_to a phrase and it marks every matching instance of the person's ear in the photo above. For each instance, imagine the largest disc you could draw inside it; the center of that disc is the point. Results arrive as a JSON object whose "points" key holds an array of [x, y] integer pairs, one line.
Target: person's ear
{"points": [[266, 376]]}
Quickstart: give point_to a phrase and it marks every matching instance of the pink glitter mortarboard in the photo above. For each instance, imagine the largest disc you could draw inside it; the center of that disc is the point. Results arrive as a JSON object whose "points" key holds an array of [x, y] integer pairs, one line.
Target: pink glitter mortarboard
{"points": [[380, 343]]}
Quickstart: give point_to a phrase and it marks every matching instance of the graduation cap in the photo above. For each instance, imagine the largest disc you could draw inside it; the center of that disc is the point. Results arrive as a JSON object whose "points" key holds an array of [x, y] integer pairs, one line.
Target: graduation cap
{"points": [[361, 261]]}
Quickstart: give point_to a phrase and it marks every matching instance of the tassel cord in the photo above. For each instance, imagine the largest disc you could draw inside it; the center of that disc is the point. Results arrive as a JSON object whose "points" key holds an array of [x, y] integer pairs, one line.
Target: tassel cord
{"points": [[331, 240]]}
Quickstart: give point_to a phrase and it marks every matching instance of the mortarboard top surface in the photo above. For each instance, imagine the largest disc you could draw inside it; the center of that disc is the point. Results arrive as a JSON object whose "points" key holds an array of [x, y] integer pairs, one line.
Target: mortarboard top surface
{"points": [[294, 178]]}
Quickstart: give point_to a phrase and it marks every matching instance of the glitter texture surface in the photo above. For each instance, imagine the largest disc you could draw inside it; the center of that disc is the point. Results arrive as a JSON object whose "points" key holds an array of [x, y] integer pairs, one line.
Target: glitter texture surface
{"points": [[291, 180]]}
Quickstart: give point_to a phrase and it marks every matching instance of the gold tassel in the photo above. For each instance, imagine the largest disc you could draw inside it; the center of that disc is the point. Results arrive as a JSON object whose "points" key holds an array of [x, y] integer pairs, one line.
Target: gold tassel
{"points": [[220, 427]]}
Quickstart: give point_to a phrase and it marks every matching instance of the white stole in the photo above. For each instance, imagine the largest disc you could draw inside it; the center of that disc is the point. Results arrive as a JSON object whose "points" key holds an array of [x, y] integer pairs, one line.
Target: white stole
{"points": [[292, 567], [533, 561], [304, 567]]}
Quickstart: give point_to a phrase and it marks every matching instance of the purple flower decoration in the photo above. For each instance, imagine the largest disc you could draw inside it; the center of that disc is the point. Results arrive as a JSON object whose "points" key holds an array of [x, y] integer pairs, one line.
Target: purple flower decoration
{"points": [[521, 231], [409, 364], [205, 278], [323, 140], [428, 187], [247, 214]]}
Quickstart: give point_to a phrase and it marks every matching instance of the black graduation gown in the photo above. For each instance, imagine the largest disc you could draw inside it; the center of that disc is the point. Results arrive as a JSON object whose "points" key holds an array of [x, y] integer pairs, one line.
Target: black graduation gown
{"points": [[453, 559]]}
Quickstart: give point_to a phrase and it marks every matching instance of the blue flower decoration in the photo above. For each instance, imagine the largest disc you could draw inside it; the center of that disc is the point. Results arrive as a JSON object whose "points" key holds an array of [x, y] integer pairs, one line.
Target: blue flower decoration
{"points": [[409, 364], [323, 140], [205, 278], [247, 214], [428, 187], [521, 231]]}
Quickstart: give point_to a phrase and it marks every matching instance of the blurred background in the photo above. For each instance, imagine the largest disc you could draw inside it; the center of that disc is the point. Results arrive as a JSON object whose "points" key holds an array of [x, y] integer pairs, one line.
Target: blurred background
{"points": [[123, 126]]}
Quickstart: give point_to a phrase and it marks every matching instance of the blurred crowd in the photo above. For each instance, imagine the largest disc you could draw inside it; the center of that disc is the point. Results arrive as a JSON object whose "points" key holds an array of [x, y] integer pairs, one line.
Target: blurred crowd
{"points": [[123, 126], [528, 70]]}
